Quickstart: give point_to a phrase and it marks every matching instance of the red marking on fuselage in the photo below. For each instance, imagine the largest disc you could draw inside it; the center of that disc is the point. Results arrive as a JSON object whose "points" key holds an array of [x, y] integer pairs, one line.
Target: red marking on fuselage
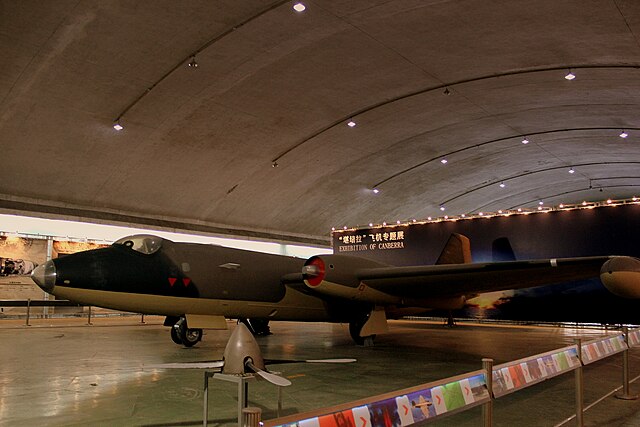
{"points": [[172, 281], [186, 281]]}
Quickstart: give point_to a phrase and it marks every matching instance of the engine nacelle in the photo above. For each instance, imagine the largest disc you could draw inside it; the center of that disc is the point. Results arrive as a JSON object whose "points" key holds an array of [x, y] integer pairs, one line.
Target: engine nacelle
{"points": [[621, 276], [336, 275]]}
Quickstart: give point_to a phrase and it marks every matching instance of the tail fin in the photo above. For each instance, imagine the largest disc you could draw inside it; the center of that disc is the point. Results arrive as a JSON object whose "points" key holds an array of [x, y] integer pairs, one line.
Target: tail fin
{"points": [[456, 251], [502, 251]]}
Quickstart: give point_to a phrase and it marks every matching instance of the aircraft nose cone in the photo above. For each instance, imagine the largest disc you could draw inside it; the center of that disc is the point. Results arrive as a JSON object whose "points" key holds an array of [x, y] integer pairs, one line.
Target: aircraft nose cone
{"points": [[45, 276]]}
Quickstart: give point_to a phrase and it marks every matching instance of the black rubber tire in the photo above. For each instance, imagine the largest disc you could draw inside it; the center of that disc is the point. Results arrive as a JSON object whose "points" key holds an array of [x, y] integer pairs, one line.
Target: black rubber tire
{"points": [[190, 337], [175, 337], [354, 330]]}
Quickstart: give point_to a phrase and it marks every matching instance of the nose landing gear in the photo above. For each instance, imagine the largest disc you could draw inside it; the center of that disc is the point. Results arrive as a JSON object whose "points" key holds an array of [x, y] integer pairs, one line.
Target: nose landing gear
{"points": [[182, 335]]}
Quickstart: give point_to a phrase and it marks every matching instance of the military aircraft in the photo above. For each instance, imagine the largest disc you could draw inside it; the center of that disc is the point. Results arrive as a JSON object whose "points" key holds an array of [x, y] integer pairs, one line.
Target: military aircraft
{"points": [[199, 286]]}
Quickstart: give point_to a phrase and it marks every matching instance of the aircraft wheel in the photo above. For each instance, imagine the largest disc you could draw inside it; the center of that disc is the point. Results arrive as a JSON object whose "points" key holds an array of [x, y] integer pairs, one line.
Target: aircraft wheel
{"points": [[354, 329], [190, 337], [175, 337], [260, 327]]}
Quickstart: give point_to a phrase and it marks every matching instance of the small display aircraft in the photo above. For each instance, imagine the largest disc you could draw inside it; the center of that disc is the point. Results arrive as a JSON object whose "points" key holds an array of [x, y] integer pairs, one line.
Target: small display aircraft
{"points": [[198, 286]]}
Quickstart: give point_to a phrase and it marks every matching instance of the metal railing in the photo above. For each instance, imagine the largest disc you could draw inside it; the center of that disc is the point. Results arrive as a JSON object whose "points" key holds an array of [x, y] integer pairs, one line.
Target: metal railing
{"points": [[435, 400], [29, 304]]}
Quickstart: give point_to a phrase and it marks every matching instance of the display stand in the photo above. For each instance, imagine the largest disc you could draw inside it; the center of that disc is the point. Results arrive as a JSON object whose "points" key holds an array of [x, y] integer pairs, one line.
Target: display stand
{"points": [[243, 393]]}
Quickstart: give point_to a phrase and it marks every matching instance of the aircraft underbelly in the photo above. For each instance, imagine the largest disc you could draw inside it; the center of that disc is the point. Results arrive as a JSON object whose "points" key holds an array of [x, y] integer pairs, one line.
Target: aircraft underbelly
{"points": [[294, 306]]}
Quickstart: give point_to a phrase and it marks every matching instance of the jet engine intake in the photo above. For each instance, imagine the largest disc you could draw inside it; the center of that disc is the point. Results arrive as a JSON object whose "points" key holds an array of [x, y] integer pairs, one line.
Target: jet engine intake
{"points": [[621, 276], [337, 276]]}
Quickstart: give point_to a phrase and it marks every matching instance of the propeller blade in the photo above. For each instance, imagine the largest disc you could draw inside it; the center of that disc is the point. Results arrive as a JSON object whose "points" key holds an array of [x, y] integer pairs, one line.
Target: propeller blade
{"points": [[272, 378], [189, 365], [282, 361], [331, 361]]}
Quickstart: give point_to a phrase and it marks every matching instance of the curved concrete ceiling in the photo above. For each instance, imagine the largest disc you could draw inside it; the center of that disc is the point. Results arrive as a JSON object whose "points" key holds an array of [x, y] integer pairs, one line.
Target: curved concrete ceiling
{"points": [[255, 140]]}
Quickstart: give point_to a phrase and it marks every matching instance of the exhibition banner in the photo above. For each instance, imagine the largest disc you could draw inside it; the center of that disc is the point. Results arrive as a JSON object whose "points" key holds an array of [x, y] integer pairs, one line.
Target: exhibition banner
{"points": [[401, 408], [600, 348], [516, 375]]}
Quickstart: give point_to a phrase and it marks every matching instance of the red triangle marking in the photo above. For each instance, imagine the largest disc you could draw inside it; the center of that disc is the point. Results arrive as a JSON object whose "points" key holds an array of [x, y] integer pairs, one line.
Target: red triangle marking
{"points": [[467, 390], [438, 397], [172, 281], [186, 281], [406, 409], [364, 421]]}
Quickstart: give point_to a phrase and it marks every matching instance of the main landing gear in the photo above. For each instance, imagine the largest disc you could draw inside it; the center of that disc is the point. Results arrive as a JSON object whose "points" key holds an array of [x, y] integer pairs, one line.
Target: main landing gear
{"points": [[180, 332], [258, 327], [355, 327]]}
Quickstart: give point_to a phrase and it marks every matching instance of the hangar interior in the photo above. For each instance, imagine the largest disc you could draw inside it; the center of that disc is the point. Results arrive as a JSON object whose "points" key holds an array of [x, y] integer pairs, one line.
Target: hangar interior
{"points": [[279, 121]]}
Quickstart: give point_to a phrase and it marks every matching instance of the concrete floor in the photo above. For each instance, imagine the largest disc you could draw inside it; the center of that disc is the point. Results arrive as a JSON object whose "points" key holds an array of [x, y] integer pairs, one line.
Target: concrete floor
{"points": [[63, 372]]}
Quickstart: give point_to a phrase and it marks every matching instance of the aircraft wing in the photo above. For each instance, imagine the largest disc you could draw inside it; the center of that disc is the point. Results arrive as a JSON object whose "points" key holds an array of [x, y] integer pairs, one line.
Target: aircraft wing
{"points": [[362, 279], [460, 279]]}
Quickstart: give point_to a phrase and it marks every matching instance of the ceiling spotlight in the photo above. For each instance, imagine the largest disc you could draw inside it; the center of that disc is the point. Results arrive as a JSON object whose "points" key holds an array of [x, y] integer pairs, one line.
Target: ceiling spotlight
{"points": [[539, 208], [442, 208], [351, 124], [444, 161], [345, 227], [525, 141], [414, 220], [117, 125], [333, 229], [481, 213], [398, 222], [561, 206], [193, 63], [609, 201], [584, 203], [299, 7], [570, 75], [500, 211], [519, 209], [384, 223], [572, 171], [375, 191], [623, 134], [541, 203], [502, 185], [370, 224], [463, 215], [446, 217], [428, 218], [274, 164]]}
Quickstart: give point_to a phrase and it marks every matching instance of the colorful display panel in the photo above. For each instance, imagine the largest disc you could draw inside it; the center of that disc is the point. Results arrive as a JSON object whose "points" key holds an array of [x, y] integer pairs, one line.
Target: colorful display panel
{"points": [[595, 350], [634, 337], [407, 408], [514, 376]]}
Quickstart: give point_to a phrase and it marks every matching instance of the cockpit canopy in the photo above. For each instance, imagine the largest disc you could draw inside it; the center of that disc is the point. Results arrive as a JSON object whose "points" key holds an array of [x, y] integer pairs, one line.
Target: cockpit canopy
{"points": [[143, 243]]}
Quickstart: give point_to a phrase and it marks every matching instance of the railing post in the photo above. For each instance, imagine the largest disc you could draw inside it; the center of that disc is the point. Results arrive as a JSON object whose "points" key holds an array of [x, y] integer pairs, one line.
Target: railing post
{"points": [[205, 417], [626, 395], [487, 408], [142, 319], [28, 311], [251, 416], [579, 386], [89, 317]]}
